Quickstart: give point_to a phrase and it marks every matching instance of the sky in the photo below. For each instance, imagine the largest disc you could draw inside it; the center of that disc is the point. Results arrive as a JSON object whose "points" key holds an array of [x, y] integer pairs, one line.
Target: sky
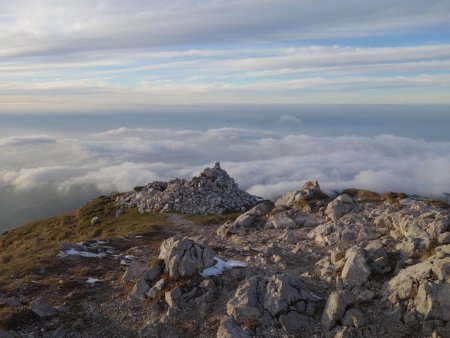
{"points": [[104, 56], [99, 96]]}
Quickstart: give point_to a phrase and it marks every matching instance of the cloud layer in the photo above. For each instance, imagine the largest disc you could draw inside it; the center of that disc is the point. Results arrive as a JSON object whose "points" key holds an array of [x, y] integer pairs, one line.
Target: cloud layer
{"points": [[115, 55], [263, 162]]}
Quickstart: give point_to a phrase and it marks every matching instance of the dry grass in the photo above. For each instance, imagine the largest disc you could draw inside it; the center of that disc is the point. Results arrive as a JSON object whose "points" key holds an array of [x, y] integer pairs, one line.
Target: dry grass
{"points": [[429, 251], [35, 244], [437, 203], [363, 195], [392, 197], [11, 317], [211, 219]]}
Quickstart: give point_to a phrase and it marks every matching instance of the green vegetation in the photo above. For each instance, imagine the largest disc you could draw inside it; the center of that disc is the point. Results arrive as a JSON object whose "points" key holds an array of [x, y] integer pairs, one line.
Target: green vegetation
{"points": [[36, 244]]}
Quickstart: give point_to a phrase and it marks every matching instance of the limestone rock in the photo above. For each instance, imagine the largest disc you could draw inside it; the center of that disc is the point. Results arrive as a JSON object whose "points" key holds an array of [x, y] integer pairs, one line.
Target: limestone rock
{"points": [[152, 274], [184, 257], [265, 299], [286, 199], [432, 300], [42, 308], [339, 207], [245, 305], [134, 270], [229, 329], [282, 221], [354, 317], [310, 191], [335, 307], [155, 289], [355, 271], [290, 237], [173, 296], [254, 218], [140, 289]]}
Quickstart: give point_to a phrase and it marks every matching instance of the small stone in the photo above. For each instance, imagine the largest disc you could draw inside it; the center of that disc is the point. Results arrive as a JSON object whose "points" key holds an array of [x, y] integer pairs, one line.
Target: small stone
{"points": [[207, 284], [155, 289], [41, 308], [119, 212], [173, 296], [290, 237], [135, 270], [140, 289], [354, 317]]}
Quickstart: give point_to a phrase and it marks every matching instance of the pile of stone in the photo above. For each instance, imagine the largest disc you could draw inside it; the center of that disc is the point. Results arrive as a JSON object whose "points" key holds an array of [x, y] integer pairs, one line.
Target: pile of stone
{"points": [[212, 192]]}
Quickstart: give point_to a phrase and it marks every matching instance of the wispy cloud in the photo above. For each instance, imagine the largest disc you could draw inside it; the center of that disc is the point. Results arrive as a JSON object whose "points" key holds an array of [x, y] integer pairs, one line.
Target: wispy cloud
{"points": [[81, 56]]}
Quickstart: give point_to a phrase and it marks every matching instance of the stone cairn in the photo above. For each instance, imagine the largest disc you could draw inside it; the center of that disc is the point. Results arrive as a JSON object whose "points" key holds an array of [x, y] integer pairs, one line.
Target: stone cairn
{"points": [[212, 192]]}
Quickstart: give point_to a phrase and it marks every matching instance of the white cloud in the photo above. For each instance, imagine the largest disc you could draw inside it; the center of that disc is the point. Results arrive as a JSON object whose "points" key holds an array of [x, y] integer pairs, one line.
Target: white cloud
{"points": [[265, 163]]}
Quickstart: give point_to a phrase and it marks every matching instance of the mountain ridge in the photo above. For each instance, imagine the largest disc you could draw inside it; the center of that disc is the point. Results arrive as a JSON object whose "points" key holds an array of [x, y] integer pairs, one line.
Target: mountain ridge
{"points": [[308, 264]]}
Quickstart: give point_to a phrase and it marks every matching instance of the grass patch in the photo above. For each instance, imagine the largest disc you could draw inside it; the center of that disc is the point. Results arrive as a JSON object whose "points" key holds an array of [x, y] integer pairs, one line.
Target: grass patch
{"points": [[211, 219], [30, 246], [11, 317], [363, 195], [392, 197], [437, 203]]}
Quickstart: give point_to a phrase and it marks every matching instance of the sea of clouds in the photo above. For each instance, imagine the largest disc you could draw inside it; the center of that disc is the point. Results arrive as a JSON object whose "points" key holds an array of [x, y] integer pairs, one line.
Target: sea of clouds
{"points": [[41, 175]]}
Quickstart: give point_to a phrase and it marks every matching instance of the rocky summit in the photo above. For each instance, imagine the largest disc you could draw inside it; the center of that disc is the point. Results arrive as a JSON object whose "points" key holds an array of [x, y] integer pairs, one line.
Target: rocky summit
{"points": [[357, 264], [212, 192]]}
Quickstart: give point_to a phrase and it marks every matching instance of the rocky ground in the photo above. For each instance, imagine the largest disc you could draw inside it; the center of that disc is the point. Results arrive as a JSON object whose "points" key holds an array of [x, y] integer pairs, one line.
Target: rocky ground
{"points": [[356, 265]]}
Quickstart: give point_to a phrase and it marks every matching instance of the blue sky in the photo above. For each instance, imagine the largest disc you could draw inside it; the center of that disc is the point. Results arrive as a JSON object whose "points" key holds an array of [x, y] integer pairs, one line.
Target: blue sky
{"points": [[77, 56]]}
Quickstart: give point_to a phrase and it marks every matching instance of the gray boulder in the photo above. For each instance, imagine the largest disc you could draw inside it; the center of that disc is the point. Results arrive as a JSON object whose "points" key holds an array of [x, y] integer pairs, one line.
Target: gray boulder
{"points": [[184, 257], [41, 308], [134, 270], [281, 220], [143, 284], [254, 218], [335, 307], [433, 300], [338, 207], [354, 317], [355, 271], [155, 289], [271, 298], [245, 305]]}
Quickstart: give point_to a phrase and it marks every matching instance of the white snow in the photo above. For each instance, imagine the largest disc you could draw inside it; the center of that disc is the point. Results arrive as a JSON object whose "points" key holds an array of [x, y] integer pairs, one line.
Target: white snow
{"points": [[92, 281], [217, 269], [73, 252]]}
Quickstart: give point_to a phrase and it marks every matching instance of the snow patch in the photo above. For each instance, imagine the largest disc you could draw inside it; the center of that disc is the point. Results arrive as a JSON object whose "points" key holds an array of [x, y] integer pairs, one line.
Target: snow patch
{"points": [[92, 281], [221, 265], [73, 252]]}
